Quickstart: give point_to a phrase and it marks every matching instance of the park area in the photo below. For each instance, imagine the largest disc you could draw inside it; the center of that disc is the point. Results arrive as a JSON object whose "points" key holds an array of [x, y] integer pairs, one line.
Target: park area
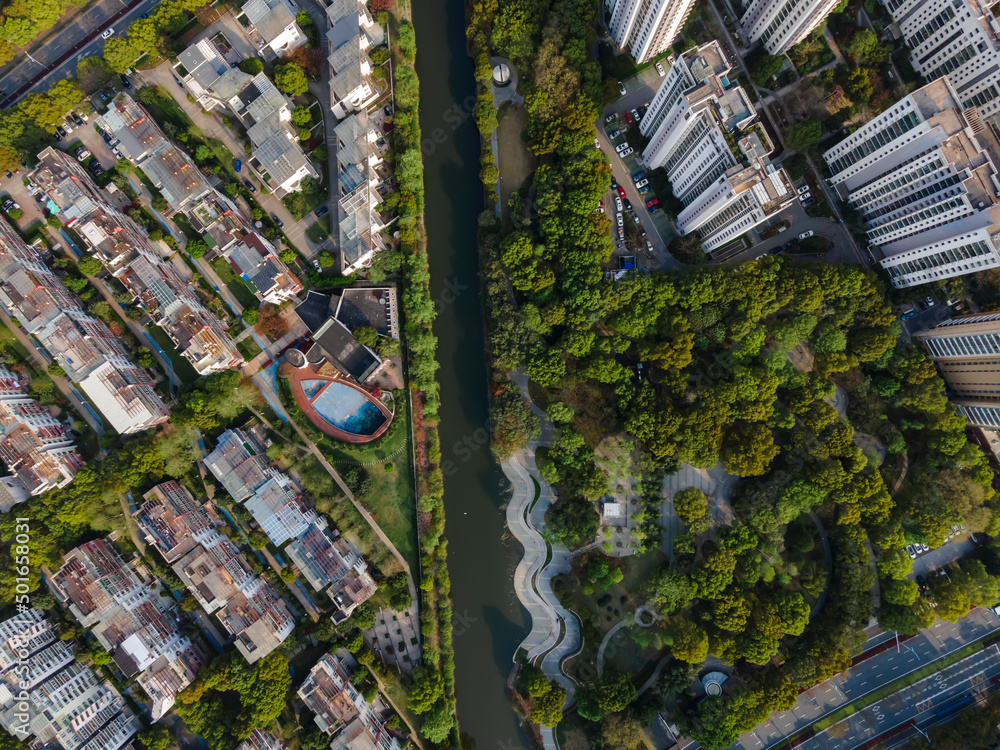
{"points": [[517, 164]]}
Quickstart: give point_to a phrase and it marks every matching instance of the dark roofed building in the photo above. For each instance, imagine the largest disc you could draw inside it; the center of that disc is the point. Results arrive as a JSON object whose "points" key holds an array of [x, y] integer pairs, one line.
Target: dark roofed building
{"points": [[344, 352], [368, 306], [314, 310]]}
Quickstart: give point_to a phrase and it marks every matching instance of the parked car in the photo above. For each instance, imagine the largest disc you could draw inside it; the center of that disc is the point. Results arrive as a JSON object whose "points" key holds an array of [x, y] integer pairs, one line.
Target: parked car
{"points": [[642, 183], [649, 247], [611, 118], [805, 196], [761, 257], [621, 190], [621, 222], [911, 552], [9, 174], [643, 190], [618, 202], [249, 185], [614, 183], [106, 34], [638, 176], [806, 235], [628, 204], [83, 155], [67, 125], [321, 211], [126, 82], [929, 303], [621, 88], [628, 151], [628, 118], [660, 70], [98, 171], [78, 149], [635, 114], [106, 137], [614, 135], [77, 120], [803, 189], [237, 165], [276, 220], [653, 210], [60, 133], [653, 202], [921, 582], [807, 203]]}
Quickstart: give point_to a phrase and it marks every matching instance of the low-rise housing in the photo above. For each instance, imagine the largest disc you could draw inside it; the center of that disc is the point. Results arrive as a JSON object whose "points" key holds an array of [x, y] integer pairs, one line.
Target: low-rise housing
{"points": [[261, 740], [330, 320], [173, 521], [71, 707], [272, 24], [255, 260], [34, 445], [264, 111], [352, 33], [361, 173], [82, 345], [328, 561], [239, 463], [132, 618], [341, 711], [279, 509], [127, 252], [251, 612]]}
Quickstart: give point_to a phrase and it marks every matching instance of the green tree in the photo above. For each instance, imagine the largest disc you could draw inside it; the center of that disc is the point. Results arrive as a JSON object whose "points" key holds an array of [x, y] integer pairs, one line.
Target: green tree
{"points": [[291, 79], [406, 38], [749, 449], [863, 44], [157, 737], [765, 68], [302, 117], [690, 504], [366, 336], [427, 688], [92, 73], [119, 54], [805, 137], [89, 265], [251, 66], [438, 723], [546, 709], [688, 641]]}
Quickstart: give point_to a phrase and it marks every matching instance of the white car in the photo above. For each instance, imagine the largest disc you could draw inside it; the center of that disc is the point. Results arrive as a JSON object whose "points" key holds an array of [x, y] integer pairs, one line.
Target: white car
{"points": [[621, 222], [806, 235], [641, 183], [805, 196], [649, 246], [621, 147], [597, 143], [924, 548], [622, 89], [803, 189], [82, 156], [618, 203], [660, 70], [627, 151], [761, 257], [614, 135], [611, 118], [911, 552], [106, 34]]}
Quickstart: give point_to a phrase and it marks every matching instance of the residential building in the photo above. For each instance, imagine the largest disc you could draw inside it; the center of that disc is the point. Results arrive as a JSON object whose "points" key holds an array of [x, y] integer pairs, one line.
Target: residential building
{"points": [[218, 575], [960, 40], [264, 111], [361, 174], [255, 260], [239, 463], [83, 346], [923, 176], [274, 22], [36, 446], [70, 706], [127, 252], [704, 131], [647, 28], [173, 521], [374, 307], [982, 414], [328, 561], [132, 618], [341, 711], [352, 33], [781, 24], [279, 509], [339, 347], [261, 740]]}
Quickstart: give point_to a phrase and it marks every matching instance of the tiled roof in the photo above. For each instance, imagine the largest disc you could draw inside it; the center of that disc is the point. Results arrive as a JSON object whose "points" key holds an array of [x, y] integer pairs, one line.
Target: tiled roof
{"points": [[269, 17]]}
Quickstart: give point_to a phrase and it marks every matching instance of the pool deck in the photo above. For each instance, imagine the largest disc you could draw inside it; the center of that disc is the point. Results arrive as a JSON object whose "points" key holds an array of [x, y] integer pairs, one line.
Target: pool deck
{"points": [[309, 372]]}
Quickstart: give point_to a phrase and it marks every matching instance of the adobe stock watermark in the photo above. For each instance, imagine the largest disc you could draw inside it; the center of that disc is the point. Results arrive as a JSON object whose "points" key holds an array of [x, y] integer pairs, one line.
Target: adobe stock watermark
{"points": [[454, 117], [20, 642], [453, 289]]}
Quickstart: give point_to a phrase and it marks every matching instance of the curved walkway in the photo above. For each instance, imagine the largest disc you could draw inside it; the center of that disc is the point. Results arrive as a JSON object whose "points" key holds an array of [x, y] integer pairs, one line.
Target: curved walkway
{"points": [[604, 644], [555, 631]]}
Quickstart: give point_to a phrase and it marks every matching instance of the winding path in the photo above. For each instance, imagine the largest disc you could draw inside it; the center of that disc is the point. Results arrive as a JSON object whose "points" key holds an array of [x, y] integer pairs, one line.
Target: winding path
{"points": [[555, 631]]}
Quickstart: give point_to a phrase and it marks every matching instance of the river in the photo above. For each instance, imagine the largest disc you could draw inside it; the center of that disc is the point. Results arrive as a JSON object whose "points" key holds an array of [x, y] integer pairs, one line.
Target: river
{"points": [[489, 621]]}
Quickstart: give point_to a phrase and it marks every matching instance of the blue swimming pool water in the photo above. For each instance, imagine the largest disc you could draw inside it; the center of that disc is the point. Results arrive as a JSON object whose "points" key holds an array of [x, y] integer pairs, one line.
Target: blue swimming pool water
{"points": [[347, 409], [312, 387]]}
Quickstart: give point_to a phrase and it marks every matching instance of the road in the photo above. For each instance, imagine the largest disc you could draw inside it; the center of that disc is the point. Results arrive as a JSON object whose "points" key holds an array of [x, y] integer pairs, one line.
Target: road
{"points": [[81, 38], [928, 646], [921, 700]]}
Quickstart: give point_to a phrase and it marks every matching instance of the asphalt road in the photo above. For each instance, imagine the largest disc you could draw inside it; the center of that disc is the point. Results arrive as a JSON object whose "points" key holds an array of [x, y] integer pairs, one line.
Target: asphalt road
{"points": [[923, 699], [932, 644], [81, 38], [943, 555]]}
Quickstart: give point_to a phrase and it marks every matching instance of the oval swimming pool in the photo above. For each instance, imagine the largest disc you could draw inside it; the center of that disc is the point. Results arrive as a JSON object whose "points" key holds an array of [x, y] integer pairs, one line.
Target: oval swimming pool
{"points": [[344, 407]]}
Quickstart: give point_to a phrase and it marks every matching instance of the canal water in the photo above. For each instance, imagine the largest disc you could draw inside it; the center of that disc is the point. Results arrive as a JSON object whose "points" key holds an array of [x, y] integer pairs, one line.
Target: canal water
{"points": [[489, 621]]}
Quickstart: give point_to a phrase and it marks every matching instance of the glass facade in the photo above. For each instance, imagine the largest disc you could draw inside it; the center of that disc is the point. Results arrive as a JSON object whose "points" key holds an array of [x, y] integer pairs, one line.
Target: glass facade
{"points": [[942, 258], [878, 140]]}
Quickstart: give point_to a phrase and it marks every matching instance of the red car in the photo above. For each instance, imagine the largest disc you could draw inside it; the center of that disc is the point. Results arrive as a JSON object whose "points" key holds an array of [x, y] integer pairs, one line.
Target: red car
{"points": [[628, 118], [621, 191], [654, 202]]}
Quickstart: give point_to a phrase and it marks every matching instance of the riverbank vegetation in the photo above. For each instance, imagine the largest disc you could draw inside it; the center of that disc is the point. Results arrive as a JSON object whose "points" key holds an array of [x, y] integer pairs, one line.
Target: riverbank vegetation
{"points": [[751, 366], [440, 724]]}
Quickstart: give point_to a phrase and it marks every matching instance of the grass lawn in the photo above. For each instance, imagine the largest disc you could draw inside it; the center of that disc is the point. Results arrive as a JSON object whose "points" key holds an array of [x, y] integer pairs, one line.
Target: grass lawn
{"points": [[184, 369], [320, 230], [391, 500], [235, 284], [248, 348], [517, 164], [812, 54]]}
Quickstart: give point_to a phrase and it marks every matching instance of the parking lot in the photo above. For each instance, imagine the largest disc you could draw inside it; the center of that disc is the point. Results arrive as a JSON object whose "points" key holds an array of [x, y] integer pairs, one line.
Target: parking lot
{"points": [[928, 562]]}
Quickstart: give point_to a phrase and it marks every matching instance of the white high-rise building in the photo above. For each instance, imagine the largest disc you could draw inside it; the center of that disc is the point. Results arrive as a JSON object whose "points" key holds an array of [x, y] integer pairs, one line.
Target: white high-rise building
{"points": [[703, 131], [956, 38], [781, 24], [647, 27], [923, 175]]}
